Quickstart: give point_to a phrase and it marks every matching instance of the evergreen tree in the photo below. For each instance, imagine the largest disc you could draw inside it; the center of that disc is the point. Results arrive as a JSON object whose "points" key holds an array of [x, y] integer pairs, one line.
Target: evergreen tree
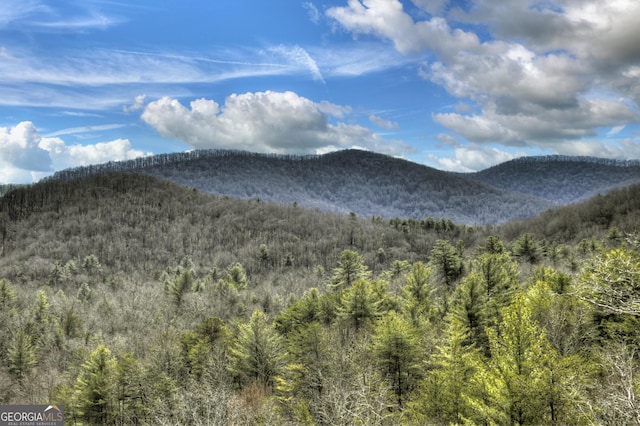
{"points": [[351, 268], [177, 287], [470, 309], [416, 295], [518, 370], [450, 385], [8, 295], [446, 261], [526, 248], [360, 306], [396, 345], [258, 352], [237, 277], [21, 355], [94, 396]]}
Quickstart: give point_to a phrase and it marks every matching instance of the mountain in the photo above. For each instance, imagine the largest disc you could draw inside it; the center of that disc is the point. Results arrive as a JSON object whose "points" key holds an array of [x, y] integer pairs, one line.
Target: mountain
{"points": [[361, 182], [565, 179], [370, 184]]}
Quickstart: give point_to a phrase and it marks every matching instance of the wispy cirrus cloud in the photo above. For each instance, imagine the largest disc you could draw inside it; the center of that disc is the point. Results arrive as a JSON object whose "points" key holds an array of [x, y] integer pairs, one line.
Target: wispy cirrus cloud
{"points": [[84, 130], [104, 78], [38, 15]]}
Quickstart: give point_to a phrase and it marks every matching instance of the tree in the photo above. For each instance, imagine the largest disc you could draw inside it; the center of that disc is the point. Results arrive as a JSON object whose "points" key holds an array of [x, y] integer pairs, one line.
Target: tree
{"points": [[522, 371], [237, 277], [611, 282], [93, 398], [446, 261], [351, 268], [526, 248], [359, 304], [179, 286], [21, 355], [470, 309], [258, 352], [416, 294], [447, 391], [8, 295], [396, 345]]}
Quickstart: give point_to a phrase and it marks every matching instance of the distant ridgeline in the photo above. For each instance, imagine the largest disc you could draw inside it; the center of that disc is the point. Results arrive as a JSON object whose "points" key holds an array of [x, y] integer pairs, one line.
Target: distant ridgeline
{"points": [[577, 159], [160, 160]]}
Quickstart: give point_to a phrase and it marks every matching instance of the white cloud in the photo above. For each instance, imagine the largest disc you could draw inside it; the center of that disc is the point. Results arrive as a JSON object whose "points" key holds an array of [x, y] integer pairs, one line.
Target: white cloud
{"points": [[300, 57], [84, 130], [25, 154], [272, 122], [381, 122], [312, 10], [434, 7], [138, 104], [19, 148], [65, 156], [469, 157], [548, 73]]}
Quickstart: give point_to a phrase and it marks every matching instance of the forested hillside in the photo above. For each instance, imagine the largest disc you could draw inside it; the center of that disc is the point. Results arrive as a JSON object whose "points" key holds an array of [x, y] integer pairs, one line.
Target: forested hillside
{"points": [[561, 178], [356, 181], [133, 300]]}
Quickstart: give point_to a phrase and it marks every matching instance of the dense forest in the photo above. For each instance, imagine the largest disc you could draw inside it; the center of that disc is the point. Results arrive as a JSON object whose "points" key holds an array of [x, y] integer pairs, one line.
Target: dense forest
{"points": [[566, 179], [134, 300], [368, 183], [362, 182]]}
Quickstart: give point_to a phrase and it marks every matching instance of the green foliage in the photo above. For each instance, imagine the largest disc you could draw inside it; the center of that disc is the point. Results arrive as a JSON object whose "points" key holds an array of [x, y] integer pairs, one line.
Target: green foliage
{"points": [[237, 277], [448, 391], [396, 346], [178, 286], [526, 248], [418, 303], [388, 338], [611, 282], [360, 305], [94, 399], [446, 262], [351, 268], [8, 295], [21, 356], [257, 352]]}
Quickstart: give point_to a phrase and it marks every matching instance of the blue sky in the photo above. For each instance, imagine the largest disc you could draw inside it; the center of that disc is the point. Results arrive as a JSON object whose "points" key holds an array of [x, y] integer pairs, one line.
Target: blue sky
{"points": [[453, 84]]}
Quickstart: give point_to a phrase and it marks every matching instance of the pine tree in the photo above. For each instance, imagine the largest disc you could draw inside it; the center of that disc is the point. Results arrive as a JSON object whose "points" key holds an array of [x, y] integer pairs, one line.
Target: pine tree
{"points": [[360, 306], [351, 268], [446, 261], [93, 397], [8, 295], [258, 352], [396, 345], [447, 391], [520, 355], [21, 355]]}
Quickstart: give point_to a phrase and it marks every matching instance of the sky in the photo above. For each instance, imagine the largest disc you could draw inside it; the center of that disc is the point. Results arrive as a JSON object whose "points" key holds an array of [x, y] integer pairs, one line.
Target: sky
{"points": [[457, 85]]}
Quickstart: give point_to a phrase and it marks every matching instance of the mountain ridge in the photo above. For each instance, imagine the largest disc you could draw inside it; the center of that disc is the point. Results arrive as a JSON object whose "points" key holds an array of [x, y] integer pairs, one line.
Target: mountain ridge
{"points": [[372, 184]]}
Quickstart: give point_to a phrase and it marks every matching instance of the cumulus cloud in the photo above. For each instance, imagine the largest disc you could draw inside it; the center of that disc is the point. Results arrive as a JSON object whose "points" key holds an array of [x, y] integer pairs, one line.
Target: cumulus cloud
{"points": [[271, 122], [20, 148], [25, 155], [468, 157], [549, 73]]}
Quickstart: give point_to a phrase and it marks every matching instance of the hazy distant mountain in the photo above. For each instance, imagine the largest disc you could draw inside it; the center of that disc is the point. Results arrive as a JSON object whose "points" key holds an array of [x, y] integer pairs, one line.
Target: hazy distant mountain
{"points": [[362, 182], [371, 184], [560, 178]]}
